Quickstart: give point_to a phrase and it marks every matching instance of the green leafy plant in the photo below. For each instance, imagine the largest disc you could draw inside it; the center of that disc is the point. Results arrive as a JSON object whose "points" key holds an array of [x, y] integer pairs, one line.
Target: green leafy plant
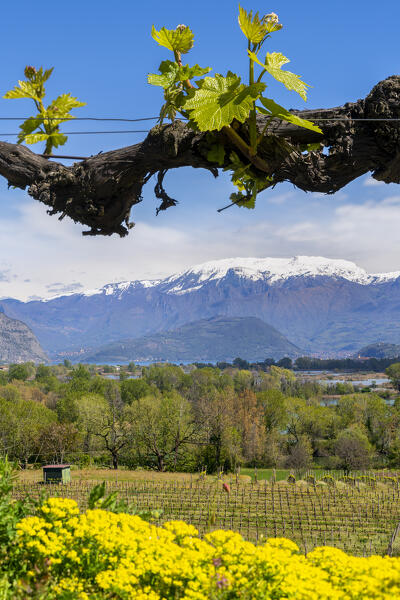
{"points": [[222, 103], [11, 512], [45, 125]]}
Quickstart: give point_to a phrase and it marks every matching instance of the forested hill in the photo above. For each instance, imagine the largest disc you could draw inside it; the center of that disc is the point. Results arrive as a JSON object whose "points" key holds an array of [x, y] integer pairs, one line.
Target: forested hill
{"points": [[379, 350], [219, 338]]}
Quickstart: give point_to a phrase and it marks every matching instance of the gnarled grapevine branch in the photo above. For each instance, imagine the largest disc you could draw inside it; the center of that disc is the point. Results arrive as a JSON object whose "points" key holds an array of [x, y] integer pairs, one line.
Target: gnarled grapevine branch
{"points": [[100, 191]]}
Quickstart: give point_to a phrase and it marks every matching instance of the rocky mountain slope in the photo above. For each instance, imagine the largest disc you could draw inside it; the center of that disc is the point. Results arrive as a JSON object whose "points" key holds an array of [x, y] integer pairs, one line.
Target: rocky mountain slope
{"points": [[322, 305], [18, 343], [215, 339]]}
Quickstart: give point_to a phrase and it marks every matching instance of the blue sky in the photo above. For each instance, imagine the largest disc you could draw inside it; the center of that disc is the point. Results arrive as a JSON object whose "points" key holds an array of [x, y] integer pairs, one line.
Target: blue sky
{"points": [[102, 52]]}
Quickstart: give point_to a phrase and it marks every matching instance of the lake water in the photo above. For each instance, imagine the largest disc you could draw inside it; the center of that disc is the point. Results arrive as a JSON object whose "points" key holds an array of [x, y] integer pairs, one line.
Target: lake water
{"points": [[362, 382], [116, 376]]}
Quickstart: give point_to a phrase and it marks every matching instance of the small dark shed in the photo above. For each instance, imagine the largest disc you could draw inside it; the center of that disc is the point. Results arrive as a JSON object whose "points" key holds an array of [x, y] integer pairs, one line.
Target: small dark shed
{"points": [[57, 473]]}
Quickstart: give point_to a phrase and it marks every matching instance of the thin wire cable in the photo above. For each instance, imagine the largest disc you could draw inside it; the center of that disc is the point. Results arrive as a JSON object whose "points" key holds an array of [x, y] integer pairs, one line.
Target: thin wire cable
{"points": [[326, 119], [124, 120], [148, 118], [94, 132], [349, 119], [82, 119]]}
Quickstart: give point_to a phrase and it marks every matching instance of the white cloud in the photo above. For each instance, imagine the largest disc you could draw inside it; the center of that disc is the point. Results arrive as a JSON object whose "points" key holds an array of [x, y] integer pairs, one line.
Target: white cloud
{"points": [[36, 250], [279, 199], [371, 182], [40, 251], [365, 233]]}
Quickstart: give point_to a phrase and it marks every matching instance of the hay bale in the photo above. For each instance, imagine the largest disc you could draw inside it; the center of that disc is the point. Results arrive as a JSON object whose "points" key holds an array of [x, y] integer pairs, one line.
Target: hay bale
{"points": [[245, 479], [301, 483]]}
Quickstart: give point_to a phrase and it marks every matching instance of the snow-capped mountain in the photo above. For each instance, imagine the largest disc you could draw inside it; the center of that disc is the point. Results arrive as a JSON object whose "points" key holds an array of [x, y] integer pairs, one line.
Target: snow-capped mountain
{"points": [[322, 305], [271, 270]]}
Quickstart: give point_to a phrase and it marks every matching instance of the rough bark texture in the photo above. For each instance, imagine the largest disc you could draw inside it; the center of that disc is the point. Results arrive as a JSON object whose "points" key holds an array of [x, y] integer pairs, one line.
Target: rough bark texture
{"points": [[100, 191]]}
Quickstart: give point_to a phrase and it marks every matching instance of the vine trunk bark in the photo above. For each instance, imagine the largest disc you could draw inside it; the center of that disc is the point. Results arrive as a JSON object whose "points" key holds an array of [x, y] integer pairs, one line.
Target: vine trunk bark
{"points": [[99, 192]]}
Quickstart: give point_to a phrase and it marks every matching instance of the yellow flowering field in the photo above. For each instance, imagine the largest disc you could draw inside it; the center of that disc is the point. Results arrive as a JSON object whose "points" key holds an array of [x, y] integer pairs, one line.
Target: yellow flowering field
{"points": [[64, 553]]}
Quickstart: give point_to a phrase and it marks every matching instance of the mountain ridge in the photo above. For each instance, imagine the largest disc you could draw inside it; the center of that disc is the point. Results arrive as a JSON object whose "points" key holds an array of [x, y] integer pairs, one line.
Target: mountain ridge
{"points": [[209, 340], [274, 270], [325, 306], [379, 350]]}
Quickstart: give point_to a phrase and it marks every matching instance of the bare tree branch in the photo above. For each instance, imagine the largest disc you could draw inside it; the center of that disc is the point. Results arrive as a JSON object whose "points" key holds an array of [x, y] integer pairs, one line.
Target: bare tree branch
{"points": [[100, 191]]}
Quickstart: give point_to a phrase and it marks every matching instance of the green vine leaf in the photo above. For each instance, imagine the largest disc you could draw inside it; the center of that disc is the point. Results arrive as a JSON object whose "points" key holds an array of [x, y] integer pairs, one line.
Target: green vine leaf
{"points": [[64, 103], [171, 73], [44, 76], [28, 126], [219, 100], [273, 64], [34, 138], [168, 74], [275, 110], [178, 40], [244, 200], [254, 28], [246, 181], [187, 72], [216, 154], [24, 89], [57, 139]]}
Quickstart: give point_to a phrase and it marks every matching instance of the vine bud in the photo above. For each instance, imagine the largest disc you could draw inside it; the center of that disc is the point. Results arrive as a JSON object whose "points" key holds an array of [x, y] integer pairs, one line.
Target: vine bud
{"points": [[181, 27], [271, 21], [271, 17], [29, 72]]}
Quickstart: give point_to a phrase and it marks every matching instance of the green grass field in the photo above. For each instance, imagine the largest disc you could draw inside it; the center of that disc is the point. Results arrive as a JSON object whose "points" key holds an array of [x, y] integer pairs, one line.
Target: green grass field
{"points": [[266, 474]]}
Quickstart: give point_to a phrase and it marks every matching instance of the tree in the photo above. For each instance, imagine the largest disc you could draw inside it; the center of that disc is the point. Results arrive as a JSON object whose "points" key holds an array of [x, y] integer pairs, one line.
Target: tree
{"points": [[43, 372], [56, 440], [240, 363], [20, 371], [393, 372], [249, 422], [299, 454], [90, 413], [273, 403], [162, 426], [166, 378], [368, 411], [242, 381], [112, 424], [307, 419], [353, 449], [280, 378], [22, 423], [134, 389], [261, 150], [285, 363], [220, 437], [273, 455]]}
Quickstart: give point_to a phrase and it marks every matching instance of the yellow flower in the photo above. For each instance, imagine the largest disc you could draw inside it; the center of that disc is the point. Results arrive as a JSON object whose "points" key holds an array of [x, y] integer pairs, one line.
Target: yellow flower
{"points": [[99, 552]]}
